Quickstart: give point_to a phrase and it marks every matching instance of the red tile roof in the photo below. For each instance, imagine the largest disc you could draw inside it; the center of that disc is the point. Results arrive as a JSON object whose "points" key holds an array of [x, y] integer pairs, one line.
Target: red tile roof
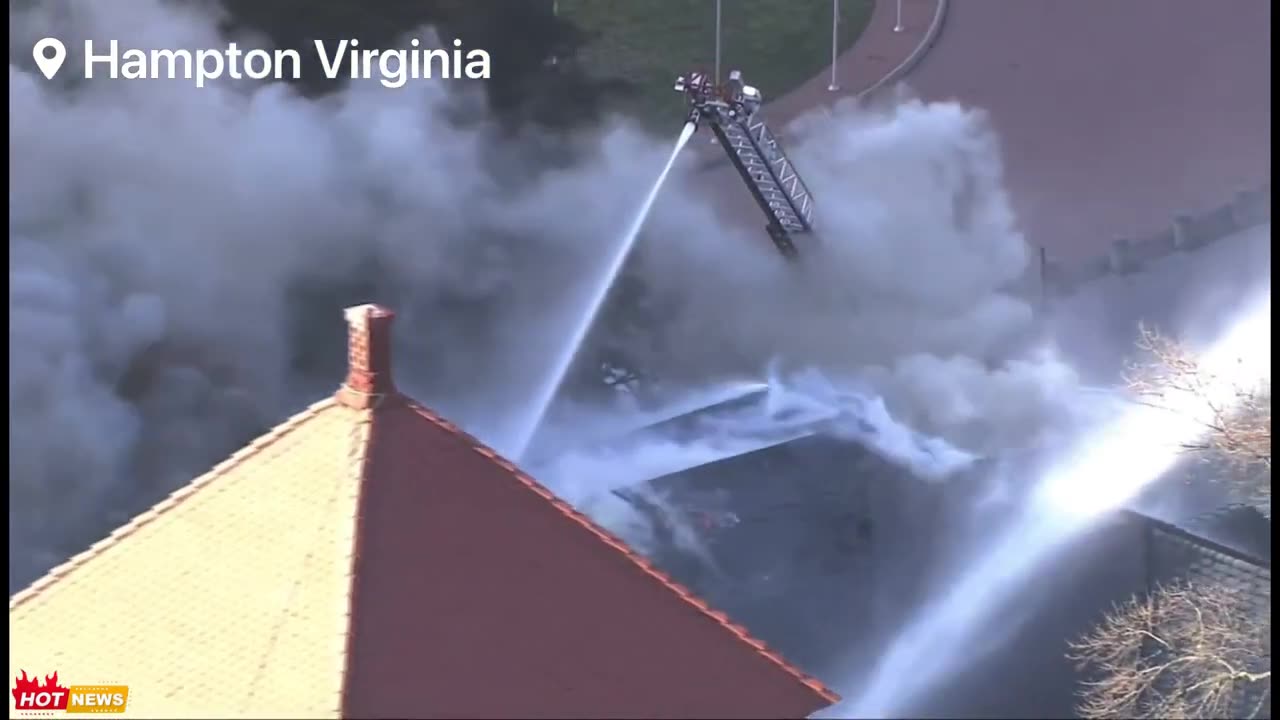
{"points": [[369, 552]]}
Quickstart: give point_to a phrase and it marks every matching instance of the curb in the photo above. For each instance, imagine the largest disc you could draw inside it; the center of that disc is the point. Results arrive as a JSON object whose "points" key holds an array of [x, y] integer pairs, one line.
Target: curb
{"points": [[926, 44]]}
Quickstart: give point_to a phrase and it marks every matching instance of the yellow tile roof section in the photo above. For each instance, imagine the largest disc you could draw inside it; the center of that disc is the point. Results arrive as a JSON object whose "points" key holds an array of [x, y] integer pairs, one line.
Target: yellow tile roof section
{"points": [[278, 570]]}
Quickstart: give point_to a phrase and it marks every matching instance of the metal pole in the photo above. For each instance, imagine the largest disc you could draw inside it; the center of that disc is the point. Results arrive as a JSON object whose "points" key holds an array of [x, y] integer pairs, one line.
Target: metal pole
{"points": [[713, 135], [717, 42], [1044, 279], [897, 26], [555, 12], [835, 43]]}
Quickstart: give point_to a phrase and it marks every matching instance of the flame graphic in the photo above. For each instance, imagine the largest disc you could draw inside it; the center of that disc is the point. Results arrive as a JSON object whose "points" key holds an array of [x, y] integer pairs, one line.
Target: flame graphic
{"points": [[23, 684]]}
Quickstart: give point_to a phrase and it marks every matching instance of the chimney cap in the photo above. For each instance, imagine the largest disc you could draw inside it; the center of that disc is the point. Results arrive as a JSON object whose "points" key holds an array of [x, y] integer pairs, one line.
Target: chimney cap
{"points": [[358, 313]]}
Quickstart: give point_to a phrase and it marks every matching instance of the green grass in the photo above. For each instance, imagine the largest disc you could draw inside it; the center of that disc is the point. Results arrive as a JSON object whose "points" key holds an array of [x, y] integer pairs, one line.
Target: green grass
{"points": [[778, 44]]}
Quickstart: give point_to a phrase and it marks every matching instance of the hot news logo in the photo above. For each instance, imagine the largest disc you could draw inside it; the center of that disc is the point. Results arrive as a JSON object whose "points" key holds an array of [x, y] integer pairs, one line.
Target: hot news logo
{"points": [[31, 695]]}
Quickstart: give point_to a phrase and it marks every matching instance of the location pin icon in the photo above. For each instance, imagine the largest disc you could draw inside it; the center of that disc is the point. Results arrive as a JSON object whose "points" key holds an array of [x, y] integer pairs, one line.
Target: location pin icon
{"points": [[49, 53]]}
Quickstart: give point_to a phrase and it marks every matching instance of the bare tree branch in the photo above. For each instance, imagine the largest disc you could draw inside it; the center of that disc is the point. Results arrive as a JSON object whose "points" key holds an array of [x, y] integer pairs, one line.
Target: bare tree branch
{"points": [[1237, 431], [1189, 651], [1185, 651]]}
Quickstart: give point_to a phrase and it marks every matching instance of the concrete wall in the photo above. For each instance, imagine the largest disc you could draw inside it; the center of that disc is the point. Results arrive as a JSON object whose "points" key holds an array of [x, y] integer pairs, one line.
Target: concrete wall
{"points": [[1185, 233], [1091, 312]]}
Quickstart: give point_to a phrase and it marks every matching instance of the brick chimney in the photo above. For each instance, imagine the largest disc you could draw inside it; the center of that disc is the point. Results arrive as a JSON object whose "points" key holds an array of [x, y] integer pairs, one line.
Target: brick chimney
{"points": [[368, 356]]}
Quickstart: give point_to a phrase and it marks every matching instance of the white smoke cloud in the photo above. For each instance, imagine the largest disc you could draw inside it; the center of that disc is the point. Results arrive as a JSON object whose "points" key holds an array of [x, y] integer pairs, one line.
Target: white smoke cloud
{"points": [[161, 237], [910, 284], [158, 234]]}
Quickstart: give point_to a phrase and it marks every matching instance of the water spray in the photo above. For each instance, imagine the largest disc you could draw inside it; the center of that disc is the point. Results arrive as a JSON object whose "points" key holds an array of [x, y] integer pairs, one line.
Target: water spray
{"points": [[732, 112], [801, 405], [546, 394], [1100, 474]]}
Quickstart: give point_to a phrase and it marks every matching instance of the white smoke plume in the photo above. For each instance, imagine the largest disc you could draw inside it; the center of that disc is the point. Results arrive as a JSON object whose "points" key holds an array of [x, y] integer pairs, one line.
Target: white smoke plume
{"points": [[912, 285], [178, 258]]}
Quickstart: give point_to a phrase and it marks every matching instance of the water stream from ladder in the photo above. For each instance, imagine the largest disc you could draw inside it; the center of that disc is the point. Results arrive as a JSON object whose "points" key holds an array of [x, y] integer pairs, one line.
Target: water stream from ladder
{"points": [[550, 387]]}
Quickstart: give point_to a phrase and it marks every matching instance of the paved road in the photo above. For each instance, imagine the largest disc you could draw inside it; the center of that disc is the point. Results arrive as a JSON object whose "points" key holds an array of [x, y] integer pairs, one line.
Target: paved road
{"points": [[1113, 115], [878, 52]]}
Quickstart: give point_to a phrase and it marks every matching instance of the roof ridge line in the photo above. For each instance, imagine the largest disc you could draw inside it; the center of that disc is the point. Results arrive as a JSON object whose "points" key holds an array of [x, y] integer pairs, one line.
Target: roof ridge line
{"points": [[169, 502], [358, 455], [616, 543]]}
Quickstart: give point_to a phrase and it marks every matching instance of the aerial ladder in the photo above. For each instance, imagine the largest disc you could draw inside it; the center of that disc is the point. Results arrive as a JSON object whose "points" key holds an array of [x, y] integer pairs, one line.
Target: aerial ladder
{"points": [[732, 111]]}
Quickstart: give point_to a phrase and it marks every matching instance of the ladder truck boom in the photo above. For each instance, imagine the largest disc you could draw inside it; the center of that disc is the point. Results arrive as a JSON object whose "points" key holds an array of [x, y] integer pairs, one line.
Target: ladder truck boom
{"points": [[732, 112]]}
